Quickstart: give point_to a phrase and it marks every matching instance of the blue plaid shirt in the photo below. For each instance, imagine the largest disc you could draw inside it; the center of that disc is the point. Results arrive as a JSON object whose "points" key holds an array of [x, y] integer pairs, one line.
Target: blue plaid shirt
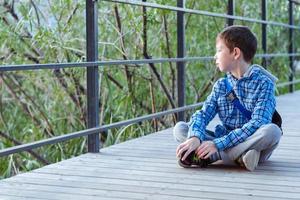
{"points": [[255, 90]]}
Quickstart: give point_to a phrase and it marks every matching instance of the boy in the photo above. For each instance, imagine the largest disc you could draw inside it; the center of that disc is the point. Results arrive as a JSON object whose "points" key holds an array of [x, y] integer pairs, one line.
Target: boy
{"points": [[241, 139]]}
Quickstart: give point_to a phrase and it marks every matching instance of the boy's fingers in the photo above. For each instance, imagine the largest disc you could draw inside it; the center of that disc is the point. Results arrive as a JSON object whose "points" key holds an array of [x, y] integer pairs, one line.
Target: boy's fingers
{"points": [[198, 151], [182, 149], [201, 149], [208, 155], [186, 154], [210, 152], [179, 147], [203, 154]]}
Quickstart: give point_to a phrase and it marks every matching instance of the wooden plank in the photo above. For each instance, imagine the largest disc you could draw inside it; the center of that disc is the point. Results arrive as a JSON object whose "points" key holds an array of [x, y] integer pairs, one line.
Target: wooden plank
{"points": [[227, 180], [145, 190], [41, 194], [106, 163], [210, 181], [137, 183], [14, 197], [279, 173]]}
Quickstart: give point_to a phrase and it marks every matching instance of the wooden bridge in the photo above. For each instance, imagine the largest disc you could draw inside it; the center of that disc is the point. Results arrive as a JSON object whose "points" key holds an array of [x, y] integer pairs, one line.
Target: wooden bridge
{"points": [[146, 168]]}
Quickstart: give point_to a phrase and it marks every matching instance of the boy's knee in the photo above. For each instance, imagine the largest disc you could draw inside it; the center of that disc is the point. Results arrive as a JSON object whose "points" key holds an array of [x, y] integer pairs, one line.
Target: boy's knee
{"points": [[271, 132], [181, 126], [180, 131]]}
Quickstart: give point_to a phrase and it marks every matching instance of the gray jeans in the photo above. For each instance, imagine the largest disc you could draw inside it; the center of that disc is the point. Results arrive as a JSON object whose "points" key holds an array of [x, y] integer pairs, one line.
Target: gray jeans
{"points": [[264, 140]]}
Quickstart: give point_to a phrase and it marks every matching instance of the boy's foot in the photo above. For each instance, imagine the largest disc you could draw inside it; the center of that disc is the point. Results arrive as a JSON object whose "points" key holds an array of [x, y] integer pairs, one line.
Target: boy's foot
{"points": [[250, 159], [193, 161]]}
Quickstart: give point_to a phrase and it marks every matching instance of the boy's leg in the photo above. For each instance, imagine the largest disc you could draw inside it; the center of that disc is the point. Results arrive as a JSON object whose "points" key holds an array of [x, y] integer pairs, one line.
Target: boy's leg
{"points": [[265, 154], [264, 140], [181, 130]]}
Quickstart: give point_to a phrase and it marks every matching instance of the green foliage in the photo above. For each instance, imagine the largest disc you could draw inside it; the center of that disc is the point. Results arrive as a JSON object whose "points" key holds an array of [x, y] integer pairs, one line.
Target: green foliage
{"points": [[35, 105]]}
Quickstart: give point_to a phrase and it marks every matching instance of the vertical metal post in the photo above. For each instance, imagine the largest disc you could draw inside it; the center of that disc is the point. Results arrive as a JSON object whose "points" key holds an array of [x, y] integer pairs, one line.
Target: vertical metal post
{"points": [[264, 31], [230, 11], [92, 73], [291, 46], [180, 54]]}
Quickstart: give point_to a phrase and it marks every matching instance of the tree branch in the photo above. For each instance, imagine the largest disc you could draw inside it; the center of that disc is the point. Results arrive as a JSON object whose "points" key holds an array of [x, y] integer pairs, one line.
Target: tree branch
{"points": [[207, 85], [72, 14], [36, 12], [153, 104], [21, 38], [18, 84], [189, 15], [77, 97], [16, 142], [112, 79], [127, 72], [152, 66], [173, 73], [23, 105]]}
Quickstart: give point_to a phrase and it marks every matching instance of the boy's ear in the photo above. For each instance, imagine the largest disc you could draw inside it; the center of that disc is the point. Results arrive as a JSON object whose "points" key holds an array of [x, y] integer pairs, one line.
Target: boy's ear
{"points": [[237, 53]]}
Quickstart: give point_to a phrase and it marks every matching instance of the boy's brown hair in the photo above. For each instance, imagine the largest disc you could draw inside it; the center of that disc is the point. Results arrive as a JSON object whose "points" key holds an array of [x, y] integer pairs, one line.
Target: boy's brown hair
{"points": [[241, 37]]}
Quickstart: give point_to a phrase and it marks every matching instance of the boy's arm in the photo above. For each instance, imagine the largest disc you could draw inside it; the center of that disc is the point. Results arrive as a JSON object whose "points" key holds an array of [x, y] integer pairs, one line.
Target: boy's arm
{"points": [[261, 115], [201, 118]]}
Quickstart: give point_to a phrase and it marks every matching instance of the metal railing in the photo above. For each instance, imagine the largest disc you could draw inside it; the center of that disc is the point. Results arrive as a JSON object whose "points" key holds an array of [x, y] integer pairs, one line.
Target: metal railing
{"points": [[92, 64]]}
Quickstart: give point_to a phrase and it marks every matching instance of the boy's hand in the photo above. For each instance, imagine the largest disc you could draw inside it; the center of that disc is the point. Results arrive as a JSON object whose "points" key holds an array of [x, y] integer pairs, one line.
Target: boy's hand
{"points": [[206, 149], [188, 146]]}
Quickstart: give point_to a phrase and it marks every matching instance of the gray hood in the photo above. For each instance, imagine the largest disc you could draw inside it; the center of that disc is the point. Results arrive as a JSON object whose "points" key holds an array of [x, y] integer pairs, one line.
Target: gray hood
{"points": [[259, 68]]}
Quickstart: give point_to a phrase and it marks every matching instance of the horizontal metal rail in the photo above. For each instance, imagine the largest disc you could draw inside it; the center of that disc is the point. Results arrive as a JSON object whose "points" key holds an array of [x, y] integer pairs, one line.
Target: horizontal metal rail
{"points": [[288, 83], [61, 138], [122, 62], [277, 55], [97, 63], [201, 12]]}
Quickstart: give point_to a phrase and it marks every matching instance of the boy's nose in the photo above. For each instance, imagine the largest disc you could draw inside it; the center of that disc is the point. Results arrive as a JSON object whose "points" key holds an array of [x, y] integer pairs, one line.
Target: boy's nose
{"points": [[215, 56]]}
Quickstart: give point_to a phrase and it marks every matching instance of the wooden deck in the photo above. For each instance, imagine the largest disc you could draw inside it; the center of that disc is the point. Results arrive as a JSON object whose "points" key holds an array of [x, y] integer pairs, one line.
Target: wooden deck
{"points": [[146, 168]]}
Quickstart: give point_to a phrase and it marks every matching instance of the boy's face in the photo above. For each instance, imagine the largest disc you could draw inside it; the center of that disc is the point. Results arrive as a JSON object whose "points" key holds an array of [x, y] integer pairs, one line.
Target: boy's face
{"points": [[224, 58]]}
